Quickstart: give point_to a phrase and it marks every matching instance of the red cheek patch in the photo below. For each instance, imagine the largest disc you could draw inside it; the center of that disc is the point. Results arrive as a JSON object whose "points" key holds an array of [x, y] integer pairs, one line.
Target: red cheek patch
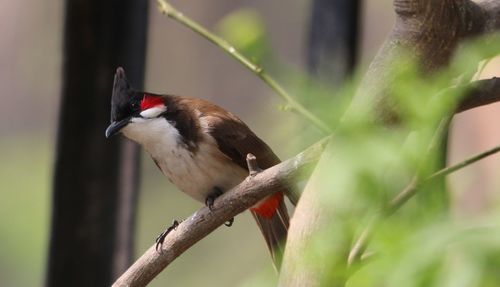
{"points": [[149, 101]]}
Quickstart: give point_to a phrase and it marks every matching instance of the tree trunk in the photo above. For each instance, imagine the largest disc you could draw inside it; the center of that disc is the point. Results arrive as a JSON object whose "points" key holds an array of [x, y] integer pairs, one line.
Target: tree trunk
{"points": [[332, 56], [429, 31], [95, 180]]}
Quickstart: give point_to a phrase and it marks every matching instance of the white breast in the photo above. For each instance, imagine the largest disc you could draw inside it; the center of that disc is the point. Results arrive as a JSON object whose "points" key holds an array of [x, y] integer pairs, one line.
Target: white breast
{"points": [[195, 173]]}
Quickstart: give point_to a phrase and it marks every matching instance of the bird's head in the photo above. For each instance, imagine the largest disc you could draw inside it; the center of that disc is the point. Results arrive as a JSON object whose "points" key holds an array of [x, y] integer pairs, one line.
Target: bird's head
{"points": [[129, 106]]}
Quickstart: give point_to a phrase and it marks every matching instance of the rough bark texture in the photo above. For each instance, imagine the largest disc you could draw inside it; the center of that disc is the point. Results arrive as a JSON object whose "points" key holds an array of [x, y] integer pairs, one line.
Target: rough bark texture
{"points": [[429, 31], [95, 180]]}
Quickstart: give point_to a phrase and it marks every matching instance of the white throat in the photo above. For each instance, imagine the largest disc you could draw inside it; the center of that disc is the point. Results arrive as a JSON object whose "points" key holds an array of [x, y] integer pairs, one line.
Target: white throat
{"points": [[149, 132]]}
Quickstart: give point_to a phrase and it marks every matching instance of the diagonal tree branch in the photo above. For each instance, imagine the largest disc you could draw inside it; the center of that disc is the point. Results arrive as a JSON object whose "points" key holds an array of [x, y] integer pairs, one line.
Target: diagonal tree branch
{"points": [[260, 184], [257, 186]]}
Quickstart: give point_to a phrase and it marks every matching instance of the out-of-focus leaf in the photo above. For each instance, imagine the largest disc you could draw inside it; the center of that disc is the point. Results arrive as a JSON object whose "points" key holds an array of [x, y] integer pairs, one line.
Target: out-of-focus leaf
{"points": [[246, 31]]}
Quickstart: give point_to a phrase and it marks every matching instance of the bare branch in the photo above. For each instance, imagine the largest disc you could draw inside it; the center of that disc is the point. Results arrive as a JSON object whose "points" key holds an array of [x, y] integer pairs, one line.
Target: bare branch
{"points": [[227, 206], [483, 92], [259, 185], [433, 43]]}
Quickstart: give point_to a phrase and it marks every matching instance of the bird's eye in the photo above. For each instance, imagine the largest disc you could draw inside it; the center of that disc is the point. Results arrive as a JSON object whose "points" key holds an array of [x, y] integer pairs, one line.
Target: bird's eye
{"points": [[135, 106]]}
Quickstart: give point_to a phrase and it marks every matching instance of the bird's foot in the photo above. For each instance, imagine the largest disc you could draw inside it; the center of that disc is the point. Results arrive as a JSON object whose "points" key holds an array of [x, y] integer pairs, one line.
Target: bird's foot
{"points": [[209, 201], [159, 240], [229, 223]]}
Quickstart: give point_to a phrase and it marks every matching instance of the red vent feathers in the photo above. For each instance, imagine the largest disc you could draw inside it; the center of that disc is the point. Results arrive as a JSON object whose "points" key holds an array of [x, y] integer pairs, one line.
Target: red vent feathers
{"points": [[149, 101], [268, 207]]}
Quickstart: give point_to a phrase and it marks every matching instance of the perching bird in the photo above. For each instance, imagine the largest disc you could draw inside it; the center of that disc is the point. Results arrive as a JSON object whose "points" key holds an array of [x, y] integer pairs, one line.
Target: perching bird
{"points": [[200, 147]]}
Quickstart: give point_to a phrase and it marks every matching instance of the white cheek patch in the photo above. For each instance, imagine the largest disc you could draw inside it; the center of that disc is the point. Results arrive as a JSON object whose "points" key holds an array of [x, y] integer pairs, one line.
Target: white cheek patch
{"points": [[153, 112]]}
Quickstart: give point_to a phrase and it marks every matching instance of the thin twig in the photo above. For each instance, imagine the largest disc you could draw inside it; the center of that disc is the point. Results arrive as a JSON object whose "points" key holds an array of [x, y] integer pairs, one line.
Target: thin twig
{"points": [[360, 244], [469, 161], [400, 199], [167, 9], [412, 189], [479, 93], [253, 165]]}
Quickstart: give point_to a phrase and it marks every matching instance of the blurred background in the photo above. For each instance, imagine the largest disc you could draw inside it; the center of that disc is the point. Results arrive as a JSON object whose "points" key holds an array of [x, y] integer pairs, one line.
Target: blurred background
{"points": [[180, 62]]}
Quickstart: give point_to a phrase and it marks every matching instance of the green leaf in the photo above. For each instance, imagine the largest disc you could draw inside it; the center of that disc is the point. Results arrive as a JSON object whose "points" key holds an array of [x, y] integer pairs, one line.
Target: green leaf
{"points": [[245, 30]]}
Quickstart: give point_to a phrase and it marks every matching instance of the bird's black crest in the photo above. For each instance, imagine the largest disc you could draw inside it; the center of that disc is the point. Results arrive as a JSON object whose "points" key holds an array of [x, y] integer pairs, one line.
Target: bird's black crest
{"points": [[124, 99]]}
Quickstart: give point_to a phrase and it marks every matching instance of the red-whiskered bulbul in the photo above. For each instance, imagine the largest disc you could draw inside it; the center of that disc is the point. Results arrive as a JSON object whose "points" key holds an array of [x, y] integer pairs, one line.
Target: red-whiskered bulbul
{"points": [[200, 147]]}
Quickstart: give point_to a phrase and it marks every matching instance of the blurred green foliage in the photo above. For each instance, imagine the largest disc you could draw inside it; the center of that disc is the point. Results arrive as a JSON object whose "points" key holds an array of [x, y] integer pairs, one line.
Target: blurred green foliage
{"points": [[245, 30], [368, 163]]}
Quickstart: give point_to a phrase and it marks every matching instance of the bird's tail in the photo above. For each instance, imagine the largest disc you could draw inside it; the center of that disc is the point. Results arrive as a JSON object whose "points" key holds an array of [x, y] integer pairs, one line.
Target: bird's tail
{"points": [[272, 218]]}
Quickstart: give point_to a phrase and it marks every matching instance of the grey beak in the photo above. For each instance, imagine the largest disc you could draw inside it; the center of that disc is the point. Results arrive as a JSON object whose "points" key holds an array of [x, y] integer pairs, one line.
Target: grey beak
{"points": [[115, 127]]}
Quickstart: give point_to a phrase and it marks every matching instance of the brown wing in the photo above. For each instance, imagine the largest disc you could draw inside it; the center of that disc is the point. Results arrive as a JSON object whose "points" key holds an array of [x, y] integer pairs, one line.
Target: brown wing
{"points": [[236, 140]]}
